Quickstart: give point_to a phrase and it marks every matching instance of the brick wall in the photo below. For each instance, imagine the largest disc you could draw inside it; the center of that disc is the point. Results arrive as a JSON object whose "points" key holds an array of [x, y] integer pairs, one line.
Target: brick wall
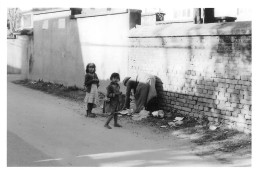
{"points": [[202, 70]]}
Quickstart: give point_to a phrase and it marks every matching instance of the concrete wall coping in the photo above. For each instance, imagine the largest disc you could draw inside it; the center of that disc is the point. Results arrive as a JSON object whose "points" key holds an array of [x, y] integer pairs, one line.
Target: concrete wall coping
{"points": [[97, 15], [187, 29], [174, 21], [105, 13], [151, 14], [51, 11]]}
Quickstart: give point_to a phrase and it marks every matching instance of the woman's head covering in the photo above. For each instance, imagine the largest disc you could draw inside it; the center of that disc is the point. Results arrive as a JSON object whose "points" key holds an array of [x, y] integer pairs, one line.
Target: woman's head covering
{"points": [[126, 80]]}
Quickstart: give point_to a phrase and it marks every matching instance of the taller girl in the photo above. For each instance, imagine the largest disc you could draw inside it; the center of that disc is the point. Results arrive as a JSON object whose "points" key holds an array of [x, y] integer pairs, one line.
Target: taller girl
{"points": [[91, 86]]}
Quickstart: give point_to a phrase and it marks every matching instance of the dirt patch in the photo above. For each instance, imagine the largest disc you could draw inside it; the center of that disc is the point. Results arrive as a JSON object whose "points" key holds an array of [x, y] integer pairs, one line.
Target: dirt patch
{"points": [[222, 143], [70, 92]]}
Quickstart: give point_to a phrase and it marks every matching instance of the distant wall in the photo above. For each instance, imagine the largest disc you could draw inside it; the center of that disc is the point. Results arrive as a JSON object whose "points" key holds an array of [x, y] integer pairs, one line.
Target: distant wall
{"points": [[18, 55], [202, 70]]}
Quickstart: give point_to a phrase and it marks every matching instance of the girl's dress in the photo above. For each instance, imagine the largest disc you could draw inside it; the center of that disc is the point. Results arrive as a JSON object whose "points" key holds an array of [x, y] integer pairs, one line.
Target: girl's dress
{"points": [[92, 96], [114, 103], [92, 91]]}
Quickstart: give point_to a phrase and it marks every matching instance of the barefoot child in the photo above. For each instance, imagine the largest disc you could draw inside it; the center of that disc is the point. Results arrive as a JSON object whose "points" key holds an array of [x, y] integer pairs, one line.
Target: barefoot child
{"points": [[91, 84], [113, 92]]}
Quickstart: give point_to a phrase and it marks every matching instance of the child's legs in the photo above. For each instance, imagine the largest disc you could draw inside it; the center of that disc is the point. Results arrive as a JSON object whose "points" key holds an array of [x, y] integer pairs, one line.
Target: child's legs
{"points": [[115, 118], [111, 116], [90, 106], [113, 108]]}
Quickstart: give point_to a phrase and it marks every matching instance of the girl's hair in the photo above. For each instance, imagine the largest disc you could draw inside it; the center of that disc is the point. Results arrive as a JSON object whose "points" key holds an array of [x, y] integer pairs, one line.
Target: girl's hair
{"points": [[115, 75], [90, 65]]}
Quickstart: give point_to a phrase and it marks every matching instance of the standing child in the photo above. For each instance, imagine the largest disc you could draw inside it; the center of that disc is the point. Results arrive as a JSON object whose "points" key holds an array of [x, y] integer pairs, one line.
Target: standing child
{"points": [[113, 92], [91, 84]]}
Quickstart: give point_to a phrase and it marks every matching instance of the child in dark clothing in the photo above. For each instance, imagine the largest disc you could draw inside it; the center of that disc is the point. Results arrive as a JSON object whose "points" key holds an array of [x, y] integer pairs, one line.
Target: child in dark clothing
{"points": [[91, 84], [113, 92]]}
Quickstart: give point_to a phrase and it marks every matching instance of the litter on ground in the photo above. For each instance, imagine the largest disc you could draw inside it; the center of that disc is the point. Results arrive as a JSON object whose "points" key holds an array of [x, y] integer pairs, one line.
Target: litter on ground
{"points": [[179, 118], [161, 113], [171, 124], [126, 112], [212, 127], [155, 113], [141, 115], [123, 112], [158, 113], [179, 122], [168, 115]]}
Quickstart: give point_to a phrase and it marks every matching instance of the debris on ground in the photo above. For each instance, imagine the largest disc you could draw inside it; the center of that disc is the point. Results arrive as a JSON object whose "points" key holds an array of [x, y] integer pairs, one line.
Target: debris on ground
{"points": [[126, 112], [179, 118], [130, 111], [123, 112], [168, 115], [213, 127], [179, 122], [141, 115], [172, 124], [155, 113], [159, 114]]}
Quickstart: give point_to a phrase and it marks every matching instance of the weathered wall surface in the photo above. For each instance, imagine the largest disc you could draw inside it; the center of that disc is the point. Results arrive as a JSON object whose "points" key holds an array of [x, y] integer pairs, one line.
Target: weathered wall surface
{"points": [[18, 55], [57, 53], [63, 47], [202, 70]]}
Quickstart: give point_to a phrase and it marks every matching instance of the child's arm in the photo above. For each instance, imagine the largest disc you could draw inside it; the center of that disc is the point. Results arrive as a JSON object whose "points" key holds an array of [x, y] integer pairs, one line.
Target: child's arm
{"points": [[110, 92], [97, 80], [88, 80]]}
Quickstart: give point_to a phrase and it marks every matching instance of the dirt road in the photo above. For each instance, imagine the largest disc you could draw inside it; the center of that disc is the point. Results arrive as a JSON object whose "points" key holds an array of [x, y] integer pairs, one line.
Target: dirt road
{"points": [[44, 130]]}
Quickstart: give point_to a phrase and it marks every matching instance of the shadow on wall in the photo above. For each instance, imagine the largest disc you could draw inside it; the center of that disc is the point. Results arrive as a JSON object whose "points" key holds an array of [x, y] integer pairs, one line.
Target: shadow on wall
{"points": [[157, 103]]}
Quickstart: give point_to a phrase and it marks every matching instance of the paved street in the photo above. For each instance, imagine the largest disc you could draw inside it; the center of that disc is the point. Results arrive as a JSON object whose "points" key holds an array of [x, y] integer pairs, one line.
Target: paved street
{"points": [[44, 130]]}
